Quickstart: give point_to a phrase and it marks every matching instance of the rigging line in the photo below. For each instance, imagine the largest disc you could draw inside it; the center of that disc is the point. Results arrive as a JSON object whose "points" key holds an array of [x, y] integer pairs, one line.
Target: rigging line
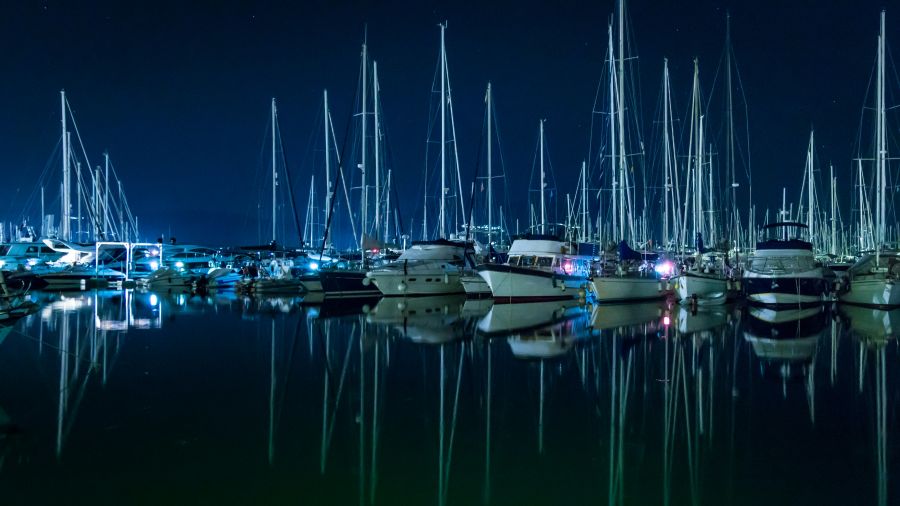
{"points": [[290, 184], [44, 175], [77, 133], [389, 159], [475, 179], [338, 178]]}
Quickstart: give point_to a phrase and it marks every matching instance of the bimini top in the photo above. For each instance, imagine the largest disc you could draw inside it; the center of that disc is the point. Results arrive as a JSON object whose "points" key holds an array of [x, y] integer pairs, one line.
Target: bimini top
{"points": [[785, 235]]}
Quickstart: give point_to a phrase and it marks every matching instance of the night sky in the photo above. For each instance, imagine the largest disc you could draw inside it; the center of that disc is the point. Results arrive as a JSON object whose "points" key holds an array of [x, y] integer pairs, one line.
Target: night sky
{"points": [[178, 93]]}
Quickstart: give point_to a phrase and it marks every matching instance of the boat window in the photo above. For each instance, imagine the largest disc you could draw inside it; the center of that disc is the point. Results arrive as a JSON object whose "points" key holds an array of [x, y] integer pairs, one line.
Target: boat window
{"points": [[47, 251], [526, 261], [31, 249], [412, 279], [514, 260], [545, 261], [4, 250]]}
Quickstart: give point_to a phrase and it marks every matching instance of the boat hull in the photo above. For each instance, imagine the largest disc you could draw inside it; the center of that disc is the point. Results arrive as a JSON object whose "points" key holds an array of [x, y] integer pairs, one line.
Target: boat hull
{"points": [[879, 293], [514, 284], [347, 284], [690, 287], [785, 291], [311, 283], [397, 284], [626, 289], [476, 287]]}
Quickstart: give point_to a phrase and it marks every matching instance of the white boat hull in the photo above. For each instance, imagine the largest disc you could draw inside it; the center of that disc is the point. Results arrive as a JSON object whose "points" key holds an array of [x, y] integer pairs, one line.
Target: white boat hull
{"points": [[476, 287], [872, 292], [703, 289], [522, 285], [623, 289], [397, 284]]}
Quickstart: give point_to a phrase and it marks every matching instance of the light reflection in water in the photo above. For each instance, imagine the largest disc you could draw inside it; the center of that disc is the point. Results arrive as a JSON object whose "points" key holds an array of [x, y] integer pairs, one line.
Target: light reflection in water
{"points": [[448, 401]]}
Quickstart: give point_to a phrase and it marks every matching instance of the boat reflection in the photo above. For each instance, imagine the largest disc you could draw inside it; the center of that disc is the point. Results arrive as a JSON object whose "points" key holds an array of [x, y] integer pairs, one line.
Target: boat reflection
{"points": [[704, 319], [426, 320], [628, 315], [786, 342], [552, 341], [871, 325], [505, 319], [639, 403]]}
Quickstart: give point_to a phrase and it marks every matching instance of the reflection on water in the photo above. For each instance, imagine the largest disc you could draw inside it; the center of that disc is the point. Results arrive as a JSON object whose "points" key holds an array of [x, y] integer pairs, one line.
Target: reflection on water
{"points": [[136, 397]]}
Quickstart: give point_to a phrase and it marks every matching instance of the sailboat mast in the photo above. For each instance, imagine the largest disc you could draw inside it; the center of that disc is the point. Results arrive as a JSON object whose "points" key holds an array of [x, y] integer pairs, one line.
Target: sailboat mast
{"points": [[880, 140], [833, 212], [862, 202], [274, 177], [543, 184], [443, 231], [377, 157], [78, 198], [729, 142], [66, 206], [585, 233], [616, 225], [666, 167], [621, 118], [810, 194], [387, 206], [490, 195], [106, 195], [328, 196], [362, 165]]}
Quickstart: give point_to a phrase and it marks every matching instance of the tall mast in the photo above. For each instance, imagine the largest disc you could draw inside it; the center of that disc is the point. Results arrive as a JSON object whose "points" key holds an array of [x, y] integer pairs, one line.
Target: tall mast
{"points": [[377, 157], [328, 195], [274, 177], [490, 195], [666, 181], [79, 197], [443, 232], [729, 141], [387, 206], [585, 234], [880, 141], [833, 212], [543, 184], [66, 206], [810, 193], [616, 225], [621, 117], [362, 165], [106, 196]]}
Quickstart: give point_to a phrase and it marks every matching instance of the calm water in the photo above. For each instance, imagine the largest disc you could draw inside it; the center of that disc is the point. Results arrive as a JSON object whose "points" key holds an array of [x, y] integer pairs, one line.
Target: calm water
{"points": [[139, 398]]}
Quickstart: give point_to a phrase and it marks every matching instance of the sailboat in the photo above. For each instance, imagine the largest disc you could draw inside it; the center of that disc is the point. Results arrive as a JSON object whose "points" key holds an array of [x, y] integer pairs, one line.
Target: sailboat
{"points": [[275, 275], [635, 276], [474, 285], [350, 281], [704, 280], [875, 279], [429, 267]]}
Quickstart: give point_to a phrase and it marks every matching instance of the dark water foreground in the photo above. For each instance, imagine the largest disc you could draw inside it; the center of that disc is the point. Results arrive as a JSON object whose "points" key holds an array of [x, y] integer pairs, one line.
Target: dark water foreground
{"points": [[138, 398]]}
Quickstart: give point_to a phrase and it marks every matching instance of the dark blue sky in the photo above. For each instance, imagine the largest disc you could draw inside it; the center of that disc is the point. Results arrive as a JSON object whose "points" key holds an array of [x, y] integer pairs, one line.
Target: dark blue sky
{"points": [[179, 92]]}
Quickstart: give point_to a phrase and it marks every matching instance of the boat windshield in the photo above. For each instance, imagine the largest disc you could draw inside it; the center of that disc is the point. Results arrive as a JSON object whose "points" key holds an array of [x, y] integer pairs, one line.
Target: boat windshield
{"points": [[786, 232]]}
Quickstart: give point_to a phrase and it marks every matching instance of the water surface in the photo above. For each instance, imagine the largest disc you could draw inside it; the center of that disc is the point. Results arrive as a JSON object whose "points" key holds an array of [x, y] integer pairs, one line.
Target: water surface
{"points": [[140, 398]]}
